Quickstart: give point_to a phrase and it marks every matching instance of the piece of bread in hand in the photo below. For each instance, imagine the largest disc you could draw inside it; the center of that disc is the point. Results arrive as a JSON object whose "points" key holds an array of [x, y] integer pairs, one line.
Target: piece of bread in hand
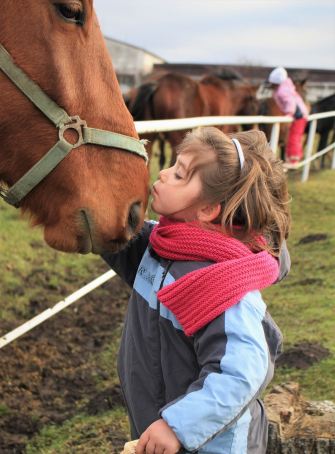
{"points": [[130, 447]]}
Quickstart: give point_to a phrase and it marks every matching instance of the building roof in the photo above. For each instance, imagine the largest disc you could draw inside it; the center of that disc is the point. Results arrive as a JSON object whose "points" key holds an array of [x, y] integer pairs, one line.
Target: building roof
{"points": [[256, 74], [133, 47]]}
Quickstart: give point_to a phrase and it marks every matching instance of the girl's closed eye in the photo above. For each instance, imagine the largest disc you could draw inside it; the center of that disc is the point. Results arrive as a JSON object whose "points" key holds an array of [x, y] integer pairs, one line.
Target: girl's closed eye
{"points": [[177, 176]]}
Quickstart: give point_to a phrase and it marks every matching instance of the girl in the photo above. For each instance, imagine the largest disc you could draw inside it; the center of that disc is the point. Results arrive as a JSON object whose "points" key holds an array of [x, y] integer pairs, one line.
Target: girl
{"points": [[198, 346], [292, 105]]}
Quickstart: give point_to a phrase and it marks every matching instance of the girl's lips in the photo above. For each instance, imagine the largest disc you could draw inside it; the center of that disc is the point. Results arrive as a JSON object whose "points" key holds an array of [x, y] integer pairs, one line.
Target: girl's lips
{"points": [[154, 190]]}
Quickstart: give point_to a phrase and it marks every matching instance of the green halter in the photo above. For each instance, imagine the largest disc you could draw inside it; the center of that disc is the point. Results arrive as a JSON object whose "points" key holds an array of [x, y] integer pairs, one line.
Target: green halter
{"points": [[62, 121]]}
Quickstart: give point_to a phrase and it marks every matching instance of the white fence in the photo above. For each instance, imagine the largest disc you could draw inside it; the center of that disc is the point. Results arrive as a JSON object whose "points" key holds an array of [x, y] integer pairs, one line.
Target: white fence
{"points": [[155, 126], [143, 127]]}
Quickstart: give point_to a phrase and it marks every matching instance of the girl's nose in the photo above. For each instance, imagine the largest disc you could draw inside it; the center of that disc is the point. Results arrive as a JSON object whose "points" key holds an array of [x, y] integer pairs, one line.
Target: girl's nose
{"points": [[162, 175]]}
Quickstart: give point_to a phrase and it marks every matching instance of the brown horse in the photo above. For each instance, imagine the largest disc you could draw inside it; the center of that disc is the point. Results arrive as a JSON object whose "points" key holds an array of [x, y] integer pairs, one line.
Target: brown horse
{"points": [[95, 199], [268, 107], [171, 95]]}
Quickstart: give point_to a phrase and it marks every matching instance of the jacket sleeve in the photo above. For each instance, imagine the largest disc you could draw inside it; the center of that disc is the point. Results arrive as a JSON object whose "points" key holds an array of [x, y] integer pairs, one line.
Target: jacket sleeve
{"points": [[126, 262], [235, 368]]}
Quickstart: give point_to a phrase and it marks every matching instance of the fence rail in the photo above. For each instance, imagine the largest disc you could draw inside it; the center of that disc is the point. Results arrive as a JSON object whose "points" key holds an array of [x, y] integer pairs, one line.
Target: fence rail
{"points": [[155, 126]]}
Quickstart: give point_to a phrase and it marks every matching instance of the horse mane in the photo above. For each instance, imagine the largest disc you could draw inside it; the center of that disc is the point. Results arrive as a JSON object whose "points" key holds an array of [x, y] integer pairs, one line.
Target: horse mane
{"points": [[144, 95], [263, 107], [229, 75]]}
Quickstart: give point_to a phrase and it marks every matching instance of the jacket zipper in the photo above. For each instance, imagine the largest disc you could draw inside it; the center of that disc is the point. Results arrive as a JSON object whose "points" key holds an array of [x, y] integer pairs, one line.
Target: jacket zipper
{"points": [[166, 270]]}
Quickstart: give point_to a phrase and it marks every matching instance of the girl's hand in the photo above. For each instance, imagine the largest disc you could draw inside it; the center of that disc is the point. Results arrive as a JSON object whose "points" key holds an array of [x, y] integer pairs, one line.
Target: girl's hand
{"points": [[158, 438]]}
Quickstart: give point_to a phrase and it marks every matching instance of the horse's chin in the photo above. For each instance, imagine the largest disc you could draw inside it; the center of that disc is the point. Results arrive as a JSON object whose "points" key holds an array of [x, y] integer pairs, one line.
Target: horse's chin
{"points": [[81, 244], [66, 242], [110, 248]]}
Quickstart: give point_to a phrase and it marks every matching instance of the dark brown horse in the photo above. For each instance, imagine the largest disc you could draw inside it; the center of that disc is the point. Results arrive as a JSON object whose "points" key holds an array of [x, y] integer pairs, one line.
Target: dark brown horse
{"points": [[324, 126], [170, 96], [95, 199]]}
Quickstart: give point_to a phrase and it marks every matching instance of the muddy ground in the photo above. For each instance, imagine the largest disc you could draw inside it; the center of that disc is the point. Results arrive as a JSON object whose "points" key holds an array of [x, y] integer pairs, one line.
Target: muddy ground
{"points": [[52, 362]]}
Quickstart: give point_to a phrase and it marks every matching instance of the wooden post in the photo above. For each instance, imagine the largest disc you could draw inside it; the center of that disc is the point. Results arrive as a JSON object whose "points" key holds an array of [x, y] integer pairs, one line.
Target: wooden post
{"points": [[333, 161]]}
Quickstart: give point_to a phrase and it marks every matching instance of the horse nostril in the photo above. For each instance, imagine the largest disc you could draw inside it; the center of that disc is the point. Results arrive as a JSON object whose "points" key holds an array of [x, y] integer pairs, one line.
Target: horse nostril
{"points": [[134, 217]]}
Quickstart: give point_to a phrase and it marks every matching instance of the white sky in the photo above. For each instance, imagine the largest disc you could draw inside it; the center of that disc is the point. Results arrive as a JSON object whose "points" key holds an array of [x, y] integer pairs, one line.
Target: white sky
{"points": [[291, 33]]}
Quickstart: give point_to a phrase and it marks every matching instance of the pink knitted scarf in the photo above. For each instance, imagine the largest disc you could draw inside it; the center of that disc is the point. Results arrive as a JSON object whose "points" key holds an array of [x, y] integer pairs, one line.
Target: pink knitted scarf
{"points": [[200, 296]]}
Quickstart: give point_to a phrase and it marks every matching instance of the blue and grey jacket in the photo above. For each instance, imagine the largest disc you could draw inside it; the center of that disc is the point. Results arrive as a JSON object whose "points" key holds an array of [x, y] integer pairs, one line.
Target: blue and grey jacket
{"points": [[206, 386]]}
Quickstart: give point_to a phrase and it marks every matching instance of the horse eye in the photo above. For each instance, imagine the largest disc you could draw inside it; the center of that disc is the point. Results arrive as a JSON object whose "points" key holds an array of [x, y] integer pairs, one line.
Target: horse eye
{"points": [[70, 11]]}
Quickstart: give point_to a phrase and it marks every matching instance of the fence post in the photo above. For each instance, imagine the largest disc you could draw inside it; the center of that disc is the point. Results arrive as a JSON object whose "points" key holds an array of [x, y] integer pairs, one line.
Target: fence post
{"points": [[274, 137], [333, 161], [310, 143]]}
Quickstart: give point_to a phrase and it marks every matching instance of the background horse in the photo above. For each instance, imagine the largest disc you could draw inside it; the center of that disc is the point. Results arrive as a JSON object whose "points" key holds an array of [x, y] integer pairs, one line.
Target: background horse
{"points": [[324, 126], [95, 199], [268, 107], [171, 95]]}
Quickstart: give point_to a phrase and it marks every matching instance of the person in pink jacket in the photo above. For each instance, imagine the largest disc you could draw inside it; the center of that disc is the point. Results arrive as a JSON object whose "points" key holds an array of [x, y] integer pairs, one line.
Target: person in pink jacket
{"points": [[291, 104]]}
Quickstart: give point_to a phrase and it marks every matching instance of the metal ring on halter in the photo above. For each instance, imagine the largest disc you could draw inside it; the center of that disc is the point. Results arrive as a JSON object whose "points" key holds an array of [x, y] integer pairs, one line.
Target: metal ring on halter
{"points": [[239, 151], [77, 126]]}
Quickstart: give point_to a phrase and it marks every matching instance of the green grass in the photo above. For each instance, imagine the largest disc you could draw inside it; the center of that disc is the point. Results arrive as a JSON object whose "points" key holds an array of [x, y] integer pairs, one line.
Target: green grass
{"points": [[4, 410], [302, 311], [154, 171], [305, 310], [84, 434]]}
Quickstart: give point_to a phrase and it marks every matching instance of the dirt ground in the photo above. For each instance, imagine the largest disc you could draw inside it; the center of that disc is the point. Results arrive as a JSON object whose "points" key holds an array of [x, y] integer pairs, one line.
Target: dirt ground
{"points": [[302, 355], [47, 371]]}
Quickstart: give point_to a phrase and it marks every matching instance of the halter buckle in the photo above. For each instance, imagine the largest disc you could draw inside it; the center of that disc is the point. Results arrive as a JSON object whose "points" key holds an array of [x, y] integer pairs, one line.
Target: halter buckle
{"points": [[3, 194], [78, 125]]}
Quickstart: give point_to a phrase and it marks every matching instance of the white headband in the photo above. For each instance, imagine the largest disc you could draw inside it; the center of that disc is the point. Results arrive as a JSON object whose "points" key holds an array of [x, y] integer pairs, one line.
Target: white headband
{"points": [[239, 151]]}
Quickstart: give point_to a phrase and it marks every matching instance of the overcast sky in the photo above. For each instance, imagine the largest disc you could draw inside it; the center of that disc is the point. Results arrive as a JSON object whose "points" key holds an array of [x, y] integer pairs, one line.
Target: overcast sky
{"points": [[291, 33]]}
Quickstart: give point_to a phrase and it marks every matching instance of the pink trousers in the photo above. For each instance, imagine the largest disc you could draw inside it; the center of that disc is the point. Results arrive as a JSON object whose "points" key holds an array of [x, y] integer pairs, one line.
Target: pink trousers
{"points": [[294, 140]]}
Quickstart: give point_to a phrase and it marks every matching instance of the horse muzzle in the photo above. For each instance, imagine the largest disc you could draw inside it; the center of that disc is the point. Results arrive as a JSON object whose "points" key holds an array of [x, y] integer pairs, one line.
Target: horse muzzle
{"points": [[103, 239]]}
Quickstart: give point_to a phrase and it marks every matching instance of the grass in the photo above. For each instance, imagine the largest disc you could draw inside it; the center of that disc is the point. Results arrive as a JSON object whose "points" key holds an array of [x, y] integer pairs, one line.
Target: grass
{"points": [[84, 434], [303, 309], [303, 304]]}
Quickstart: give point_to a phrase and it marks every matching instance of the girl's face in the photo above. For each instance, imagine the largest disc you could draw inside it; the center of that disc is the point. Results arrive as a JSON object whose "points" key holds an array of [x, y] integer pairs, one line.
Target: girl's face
{"points": [[174, 193]]}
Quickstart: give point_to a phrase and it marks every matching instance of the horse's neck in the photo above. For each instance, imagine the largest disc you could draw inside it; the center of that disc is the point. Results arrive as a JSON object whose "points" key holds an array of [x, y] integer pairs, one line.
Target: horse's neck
{"points": [[216, 97], [240, 94]]}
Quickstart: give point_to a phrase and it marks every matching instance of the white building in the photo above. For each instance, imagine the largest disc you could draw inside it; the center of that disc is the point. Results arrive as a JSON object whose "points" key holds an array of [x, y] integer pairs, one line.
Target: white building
{"points": [[131, 64]]}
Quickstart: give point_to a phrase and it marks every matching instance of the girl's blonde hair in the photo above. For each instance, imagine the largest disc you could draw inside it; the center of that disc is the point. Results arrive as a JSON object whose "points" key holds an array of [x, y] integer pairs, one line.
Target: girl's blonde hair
{"points": [[254, 200]]}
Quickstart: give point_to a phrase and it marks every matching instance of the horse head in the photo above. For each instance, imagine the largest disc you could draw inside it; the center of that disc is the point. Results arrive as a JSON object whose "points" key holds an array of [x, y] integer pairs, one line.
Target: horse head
{"points": [[94, 200], [248, 100], [301, 88]]}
